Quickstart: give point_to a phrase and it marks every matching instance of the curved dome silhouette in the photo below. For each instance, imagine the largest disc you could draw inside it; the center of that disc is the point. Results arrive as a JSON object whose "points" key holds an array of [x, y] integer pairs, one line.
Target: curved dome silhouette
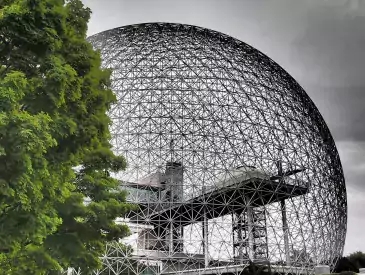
{"points": [[229, 160]]}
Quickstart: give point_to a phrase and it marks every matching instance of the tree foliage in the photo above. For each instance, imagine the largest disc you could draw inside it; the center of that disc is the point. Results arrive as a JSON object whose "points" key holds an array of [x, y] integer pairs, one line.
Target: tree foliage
{"points": [[54, 99], [344, 264], [256, 269], [358, 258]]}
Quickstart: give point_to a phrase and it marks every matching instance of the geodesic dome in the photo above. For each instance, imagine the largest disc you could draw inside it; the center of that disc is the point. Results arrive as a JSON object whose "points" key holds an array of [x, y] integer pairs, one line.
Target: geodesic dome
{"points": [[229, 160]]}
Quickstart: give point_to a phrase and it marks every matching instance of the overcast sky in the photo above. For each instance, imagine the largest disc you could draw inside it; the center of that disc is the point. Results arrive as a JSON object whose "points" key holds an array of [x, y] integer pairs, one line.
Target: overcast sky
{"points": [[321, 43]]}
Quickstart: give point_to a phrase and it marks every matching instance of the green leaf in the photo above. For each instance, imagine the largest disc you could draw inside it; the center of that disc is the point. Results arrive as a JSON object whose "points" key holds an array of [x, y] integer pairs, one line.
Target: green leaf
{"points": [[54, 99]]}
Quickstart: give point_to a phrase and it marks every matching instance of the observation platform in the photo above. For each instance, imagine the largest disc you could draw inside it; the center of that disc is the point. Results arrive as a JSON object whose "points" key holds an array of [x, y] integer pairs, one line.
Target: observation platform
{"points": [[235, 269], [220, 267], [219, 201], [163, 212]]}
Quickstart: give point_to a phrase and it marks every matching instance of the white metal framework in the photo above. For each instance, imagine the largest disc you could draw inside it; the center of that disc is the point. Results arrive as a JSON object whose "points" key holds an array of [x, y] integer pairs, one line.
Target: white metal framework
{"points": [[229, 161]]}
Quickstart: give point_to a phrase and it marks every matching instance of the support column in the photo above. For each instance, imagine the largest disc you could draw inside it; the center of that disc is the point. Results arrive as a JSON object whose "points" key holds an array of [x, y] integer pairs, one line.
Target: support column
{"points": [[181, 241], [205, 238], [171, 238], [240, 238], [286, 232], [250, 227]]}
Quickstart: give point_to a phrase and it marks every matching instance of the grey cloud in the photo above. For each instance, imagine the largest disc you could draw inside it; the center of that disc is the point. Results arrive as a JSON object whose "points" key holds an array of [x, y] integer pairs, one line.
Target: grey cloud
{"points": [[355, 238], [343, 109], [353, 161], [352, 156], [329, 57], [333, 45]]}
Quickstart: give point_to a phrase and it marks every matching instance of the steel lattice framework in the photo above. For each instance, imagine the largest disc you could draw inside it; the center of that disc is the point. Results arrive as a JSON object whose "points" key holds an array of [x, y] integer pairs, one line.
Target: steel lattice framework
{"points": [[229, 160]]}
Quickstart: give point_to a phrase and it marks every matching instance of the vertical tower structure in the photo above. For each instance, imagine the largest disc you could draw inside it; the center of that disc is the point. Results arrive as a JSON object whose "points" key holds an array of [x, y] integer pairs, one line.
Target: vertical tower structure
{"points": [[229, 160]]}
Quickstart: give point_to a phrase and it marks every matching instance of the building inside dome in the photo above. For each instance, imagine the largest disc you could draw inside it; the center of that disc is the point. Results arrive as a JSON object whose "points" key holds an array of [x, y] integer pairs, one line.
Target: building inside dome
{"points": [[229, 160]]}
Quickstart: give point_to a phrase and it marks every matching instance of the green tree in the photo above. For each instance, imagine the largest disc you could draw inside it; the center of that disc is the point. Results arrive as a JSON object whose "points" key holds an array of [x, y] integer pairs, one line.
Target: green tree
{"points": [[256, 269], [358, 259], [54, 99], [344, 264]]}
